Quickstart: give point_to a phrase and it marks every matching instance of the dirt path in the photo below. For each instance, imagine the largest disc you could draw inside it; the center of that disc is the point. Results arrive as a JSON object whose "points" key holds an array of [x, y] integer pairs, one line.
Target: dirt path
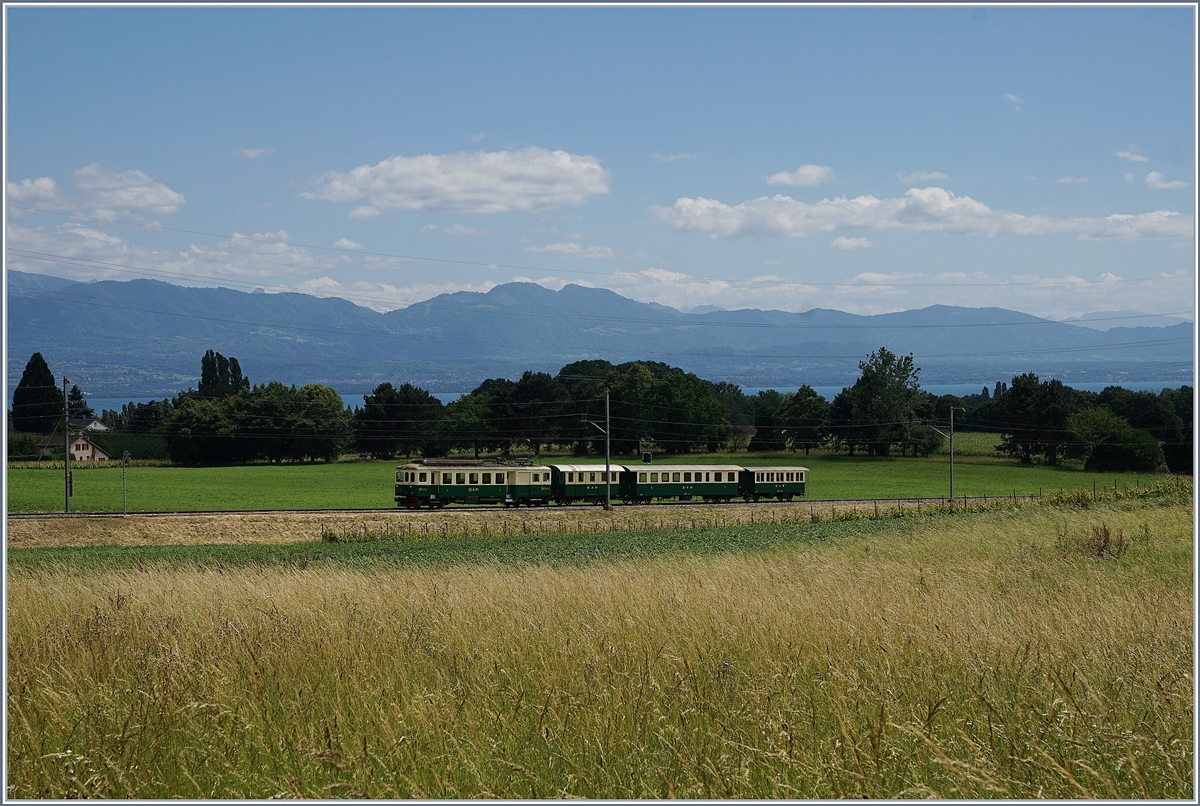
{"points": [[301, 527]]}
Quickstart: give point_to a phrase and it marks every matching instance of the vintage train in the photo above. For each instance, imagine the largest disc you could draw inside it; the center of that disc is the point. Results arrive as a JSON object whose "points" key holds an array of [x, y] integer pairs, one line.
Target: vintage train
{"points": [[437, 482]]}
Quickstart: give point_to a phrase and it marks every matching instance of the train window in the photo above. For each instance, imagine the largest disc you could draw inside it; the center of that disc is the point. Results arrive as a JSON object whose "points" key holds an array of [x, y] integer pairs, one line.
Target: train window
{"points": [[487, 478], [687, 476], [758, 476], [770, 477], [570, 477], [675, 477], [591, 476], [707, 476], [799, 477], [474, 478], [536, 477], [653, 477], [460, 478], [642, 477], [499, 478], [446, 477], [422, 477]]}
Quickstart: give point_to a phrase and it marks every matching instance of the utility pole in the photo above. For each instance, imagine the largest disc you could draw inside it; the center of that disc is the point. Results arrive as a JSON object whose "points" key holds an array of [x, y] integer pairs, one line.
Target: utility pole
{"points": [[951, 436], [607, 471], [607, 453], [124, 490], [66, 446]]}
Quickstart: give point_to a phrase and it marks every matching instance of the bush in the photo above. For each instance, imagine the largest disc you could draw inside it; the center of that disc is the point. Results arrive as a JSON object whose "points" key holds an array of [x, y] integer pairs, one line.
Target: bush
{"points": [[22, 446], [140, 446]]}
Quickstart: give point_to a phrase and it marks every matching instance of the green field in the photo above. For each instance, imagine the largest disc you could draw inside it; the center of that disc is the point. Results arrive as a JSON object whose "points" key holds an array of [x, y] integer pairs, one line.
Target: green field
{"points": [[1011, 653], [370, 484]]}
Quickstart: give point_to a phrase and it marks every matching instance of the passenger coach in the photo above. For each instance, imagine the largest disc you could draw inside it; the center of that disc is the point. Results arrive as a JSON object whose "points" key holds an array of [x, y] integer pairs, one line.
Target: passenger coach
{"points": [[435, 485]]}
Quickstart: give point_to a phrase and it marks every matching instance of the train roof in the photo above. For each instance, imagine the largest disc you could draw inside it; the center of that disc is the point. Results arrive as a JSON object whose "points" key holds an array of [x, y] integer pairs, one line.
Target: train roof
{"points": [[470, 465], [588, 468], [690, 468], [777, 468]]}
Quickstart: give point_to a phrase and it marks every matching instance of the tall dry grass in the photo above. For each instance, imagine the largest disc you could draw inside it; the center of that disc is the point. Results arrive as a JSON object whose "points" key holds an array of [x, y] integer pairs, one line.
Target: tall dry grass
{"points": [[986, 656]]}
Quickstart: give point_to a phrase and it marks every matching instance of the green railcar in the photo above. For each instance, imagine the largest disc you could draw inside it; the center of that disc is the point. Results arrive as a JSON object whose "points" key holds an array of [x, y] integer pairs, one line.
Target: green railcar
{"points": [[585, 483], [681, 482], [783, 483], [436, 485]]}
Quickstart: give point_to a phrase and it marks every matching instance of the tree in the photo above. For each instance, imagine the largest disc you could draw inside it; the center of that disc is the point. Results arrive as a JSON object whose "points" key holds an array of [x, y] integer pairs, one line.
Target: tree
{"points": [[1179, 454], [37, 400], [320, 426], [397, 421], [464, 424], [202, 432], [537, 411], [584, 384], [884, 401], [804, 418], [220, 377], [1107, 442], [766, 436], [1034, 418], [77, 405]]}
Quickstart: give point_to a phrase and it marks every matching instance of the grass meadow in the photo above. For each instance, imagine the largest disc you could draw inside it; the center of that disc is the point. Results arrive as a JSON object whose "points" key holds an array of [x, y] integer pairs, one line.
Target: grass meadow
{"points": [[1031, 651], [355, 484]]}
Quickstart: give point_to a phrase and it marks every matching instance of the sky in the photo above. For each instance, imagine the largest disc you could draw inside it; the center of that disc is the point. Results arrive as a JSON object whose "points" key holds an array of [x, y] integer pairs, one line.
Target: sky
{"points": [[865, 159]]}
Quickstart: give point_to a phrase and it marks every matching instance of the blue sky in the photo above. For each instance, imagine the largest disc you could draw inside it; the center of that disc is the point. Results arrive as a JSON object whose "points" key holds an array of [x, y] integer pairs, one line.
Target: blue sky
{"points": [[866, 159]]}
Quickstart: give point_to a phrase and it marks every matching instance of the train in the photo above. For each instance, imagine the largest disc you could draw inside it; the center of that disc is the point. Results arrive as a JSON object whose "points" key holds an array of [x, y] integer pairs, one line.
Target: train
{"points": [[434, 483]]}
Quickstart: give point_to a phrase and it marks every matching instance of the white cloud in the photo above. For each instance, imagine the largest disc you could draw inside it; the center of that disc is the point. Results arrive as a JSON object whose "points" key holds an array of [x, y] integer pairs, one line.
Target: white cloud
{"points": [[806, 176], [427, 228], [261, 258], [101, 193], [672, 157], [42, 190], [463, 231], [346, 243], [482, 182], [1131, 154], [1129, 177], [475, 138], [1154, 181], [842, 242], [108, 194], [1072, 180], [573, 248], [930, 209], [917, 177], [1016, 100], [253, 153]]}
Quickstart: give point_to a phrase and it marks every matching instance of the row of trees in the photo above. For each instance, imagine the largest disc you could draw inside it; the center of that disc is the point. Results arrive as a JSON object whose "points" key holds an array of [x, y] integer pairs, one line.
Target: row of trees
{"points": [[654, 406]]}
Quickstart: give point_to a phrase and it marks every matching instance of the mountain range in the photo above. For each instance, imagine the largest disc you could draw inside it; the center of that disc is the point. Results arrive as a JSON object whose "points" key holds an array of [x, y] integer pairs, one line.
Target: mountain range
{"points": [[142, 338]]}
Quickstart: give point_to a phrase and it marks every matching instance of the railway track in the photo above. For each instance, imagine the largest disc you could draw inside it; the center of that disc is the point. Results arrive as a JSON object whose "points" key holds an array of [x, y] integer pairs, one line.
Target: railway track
{"points": [[838, 502]]}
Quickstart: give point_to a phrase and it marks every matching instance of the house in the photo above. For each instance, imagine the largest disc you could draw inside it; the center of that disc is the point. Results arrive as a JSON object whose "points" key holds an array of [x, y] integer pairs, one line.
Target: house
{"points": [[87, 424], [82, 449]]}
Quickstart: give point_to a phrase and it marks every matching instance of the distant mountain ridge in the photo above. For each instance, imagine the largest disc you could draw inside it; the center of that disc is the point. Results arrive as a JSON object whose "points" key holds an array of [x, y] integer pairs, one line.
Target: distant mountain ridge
{"points": [[145, 337], [1104, 320]]}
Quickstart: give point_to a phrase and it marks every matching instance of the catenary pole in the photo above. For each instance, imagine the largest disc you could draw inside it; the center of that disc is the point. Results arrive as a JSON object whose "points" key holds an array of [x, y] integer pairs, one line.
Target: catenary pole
{"points": [[607, 457], [66, 447], [951, 454]]}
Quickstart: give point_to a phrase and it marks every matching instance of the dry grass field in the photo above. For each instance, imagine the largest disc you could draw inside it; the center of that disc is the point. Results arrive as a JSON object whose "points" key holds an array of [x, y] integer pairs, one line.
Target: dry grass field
{"points": [[1043, 651]]}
